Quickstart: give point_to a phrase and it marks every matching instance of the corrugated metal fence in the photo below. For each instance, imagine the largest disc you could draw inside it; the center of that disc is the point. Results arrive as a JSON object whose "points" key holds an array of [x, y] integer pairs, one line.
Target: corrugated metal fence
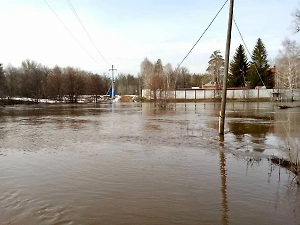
{"points": [[247, 94]]}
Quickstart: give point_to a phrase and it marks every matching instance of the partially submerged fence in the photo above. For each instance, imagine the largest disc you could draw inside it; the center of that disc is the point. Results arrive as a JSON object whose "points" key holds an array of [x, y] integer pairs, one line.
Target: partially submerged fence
{"points": [[238, 94]]}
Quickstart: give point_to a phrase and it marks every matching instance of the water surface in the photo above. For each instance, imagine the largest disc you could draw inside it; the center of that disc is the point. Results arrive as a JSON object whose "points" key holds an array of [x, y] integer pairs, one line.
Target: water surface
{"points": [[129, 163]]}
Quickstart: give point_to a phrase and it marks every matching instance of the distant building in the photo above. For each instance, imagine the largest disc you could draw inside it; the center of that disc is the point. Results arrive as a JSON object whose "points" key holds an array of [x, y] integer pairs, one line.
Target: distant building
{"points": [[273, 74], [272, 70], [260, 87], [214, 86], [211, 86]]}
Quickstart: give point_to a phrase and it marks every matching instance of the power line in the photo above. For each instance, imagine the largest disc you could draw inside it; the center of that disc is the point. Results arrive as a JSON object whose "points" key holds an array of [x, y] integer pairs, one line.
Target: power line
{"points": [[87, 33], [71, 32], [248, 51], [203, 33]]}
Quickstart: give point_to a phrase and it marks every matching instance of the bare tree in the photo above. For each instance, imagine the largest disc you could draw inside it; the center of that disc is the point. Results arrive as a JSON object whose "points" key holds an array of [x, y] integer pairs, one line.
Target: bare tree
{"points": [[95, 86], [288, 65], [54, 83], [157, 79], [176, 77], [37, 80], [3, 87], [168, 71], [69, 83], [32, 79], [296, 21], [24, 82], [147, 72], [153, 76], [185, 74], [182, 77], [12, 81]]}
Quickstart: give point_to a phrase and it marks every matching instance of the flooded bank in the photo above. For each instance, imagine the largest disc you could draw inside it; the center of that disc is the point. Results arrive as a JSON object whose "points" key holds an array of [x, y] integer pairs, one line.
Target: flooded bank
{"points": [[131, 163]]}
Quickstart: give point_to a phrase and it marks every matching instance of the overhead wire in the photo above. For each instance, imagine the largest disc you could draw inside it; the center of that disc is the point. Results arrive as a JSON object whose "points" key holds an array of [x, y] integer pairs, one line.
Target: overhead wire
{"points": [[280, 117], [203, 33], [248, 50], [78, 42], [85, 30]]}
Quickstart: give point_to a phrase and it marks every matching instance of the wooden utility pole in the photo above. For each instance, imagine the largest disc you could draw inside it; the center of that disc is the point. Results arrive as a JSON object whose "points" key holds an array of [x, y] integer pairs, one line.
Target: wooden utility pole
{"points": [[224, 91], [113, 81]]}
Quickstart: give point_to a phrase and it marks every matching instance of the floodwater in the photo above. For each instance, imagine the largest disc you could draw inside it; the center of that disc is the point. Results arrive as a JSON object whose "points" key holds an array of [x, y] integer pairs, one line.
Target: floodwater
{"points": [[132, 163]]}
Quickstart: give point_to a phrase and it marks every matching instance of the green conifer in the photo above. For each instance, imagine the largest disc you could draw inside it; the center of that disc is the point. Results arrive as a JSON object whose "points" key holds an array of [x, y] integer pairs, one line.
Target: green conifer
{"points": [[238, 68], [259, 73]]}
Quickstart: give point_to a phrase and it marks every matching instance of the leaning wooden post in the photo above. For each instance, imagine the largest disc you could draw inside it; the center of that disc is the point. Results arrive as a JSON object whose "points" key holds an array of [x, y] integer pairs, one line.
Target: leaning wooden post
{"points": [[224, 92]]}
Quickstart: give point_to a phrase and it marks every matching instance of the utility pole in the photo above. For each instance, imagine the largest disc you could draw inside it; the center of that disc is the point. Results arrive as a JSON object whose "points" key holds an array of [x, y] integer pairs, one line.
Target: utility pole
{"points": [[113, 81], [224, 91]]}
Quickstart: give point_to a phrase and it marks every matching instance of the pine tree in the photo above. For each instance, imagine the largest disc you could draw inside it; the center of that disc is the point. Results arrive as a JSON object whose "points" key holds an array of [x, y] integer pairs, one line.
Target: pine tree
{"points": [[238, 68], [158, 68], [259, 73], [216, 67]]}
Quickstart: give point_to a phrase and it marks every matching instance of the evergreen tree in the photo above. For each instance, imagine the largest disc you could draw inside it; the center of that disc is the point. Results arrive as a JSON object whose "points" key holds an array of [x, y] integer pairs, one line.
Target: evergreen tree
{"points": [[158, 68], [238, 68], [216, 67], [259, 67]]}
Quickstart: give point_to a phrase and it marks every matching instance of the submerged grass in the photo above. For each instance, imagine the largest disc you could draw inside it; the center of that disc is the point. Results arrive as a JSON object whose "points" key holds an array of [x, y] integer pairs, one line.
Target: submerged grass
{"points": [[294, 167]]}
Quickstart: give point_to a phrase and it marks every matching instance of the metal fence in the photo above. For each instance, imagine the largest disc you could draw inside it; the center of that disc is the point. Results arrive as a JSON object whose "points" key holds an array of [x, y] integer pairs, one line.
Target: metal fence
{"points": [[206, 94]]}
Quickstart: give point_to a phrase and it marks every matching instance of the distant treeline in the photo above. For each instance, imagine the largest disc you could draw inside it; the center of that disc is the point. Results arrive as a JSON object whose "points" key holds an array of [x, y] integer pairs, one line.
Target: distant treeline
{"points": [[34, 80]]}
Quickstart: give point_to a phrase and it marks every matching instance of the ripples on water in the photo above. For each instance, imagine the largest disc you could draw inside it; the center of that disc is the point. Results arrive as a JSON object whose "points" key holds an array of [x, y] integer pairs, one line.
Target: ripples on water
{"points": [[127, 164]]}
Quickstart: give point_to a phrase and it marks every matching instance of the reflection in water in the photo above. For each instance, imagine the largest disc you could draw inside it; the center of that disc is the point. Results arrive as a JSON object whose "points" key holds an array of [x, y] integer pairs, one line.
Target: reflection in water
{"points": [[288, 129], [250, 110], [223, 182], [257, 131], [251, 122], [2, 133], [224, 188], [262, 127]]}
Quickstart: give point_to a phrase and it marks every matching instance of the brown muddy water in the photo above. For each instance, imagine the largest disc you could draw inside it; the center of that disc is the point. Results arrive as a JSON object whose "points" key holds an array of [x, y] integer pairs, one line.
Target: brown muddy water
{"points": [[131, 163]]}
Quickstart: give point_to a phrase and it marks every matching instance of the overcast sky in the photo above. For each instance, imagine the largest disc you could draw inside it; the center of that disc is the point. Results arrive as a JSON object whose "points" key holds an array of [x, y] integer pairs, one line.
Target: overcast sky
{"points": [[127, 31]]}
